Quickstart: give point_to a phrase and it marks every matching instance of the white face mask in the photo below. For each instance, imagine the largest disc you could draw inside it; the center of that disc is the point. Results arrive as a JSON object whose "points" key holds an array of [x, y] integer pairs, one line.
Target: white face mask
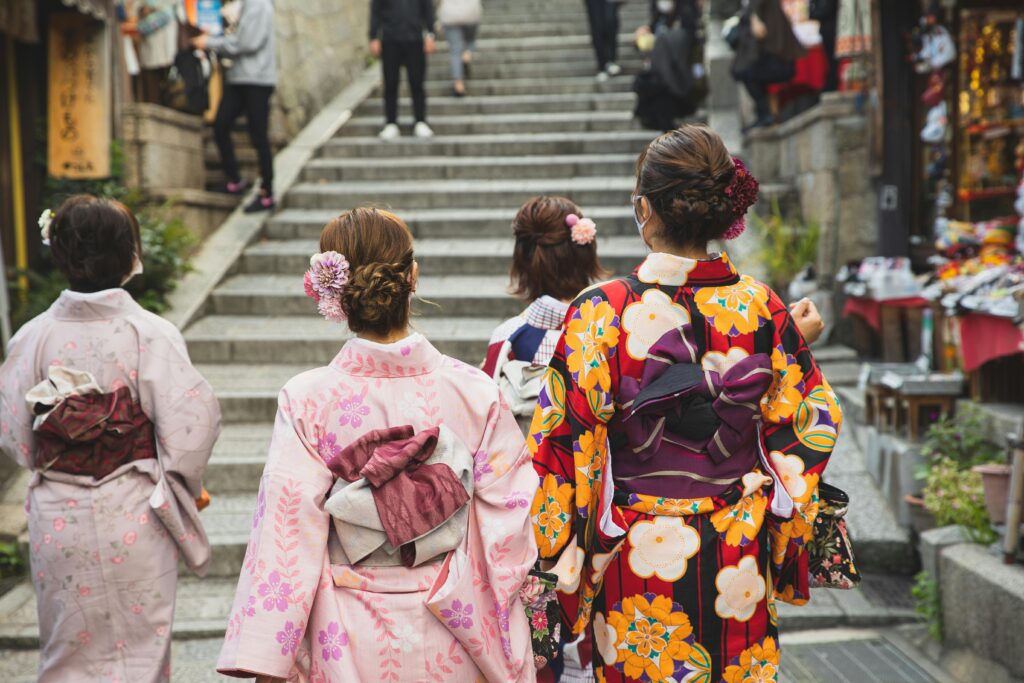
{"points": [[640, 225], [136, 270], [666, 6]]}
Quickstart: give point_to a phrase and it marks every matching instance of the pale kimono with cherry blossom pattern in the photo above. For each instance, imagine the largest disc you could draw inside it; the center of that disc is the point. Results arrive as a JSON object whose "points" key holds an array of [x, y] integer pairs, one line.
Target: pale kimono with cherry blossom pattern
{"points": [[104, 553], [299, 617]]}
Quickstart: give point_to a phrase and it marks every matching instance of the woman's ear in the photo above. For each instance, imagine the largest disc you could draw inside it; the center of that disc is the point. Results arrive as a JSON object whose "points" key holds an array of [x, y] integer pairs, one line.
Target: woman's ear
{"points": [[414, 276]]}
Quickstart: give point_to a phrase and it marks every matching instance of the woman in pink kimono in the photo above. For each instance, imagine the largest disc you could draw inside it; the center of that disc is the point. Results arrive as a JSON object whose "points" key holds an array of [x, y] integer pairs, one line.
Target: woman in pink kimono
{"points": [[100, 401], [391, 536]]}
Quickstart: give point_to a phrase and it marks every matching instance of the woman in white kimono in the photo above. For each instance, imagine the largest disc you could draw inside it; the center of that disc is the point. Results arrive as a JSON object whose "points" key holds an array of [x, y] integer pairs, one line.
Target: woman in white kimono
{"points": [[391, 537], [100, 401]]}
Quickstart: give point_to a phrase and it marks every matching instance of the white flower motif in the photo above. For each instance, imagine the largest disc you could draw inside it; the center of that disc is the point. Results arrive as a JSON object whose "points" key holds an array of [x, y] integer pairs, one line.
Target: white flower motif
{"points": [[716, 361], [661, 548], [604, 638], [410, 406], [740, 588], [569, 568], [790, 469], [665, 269], [45, 221], [647, 320], [404, 637], [601, 561]]}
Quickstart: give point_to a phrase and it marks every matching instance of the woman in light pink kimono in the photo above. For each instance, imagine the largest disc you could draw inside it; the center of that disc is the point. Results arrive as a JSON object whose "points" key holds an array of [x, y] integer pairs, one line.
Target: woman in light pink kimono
{"points": [[98, 398], [391, 537]]}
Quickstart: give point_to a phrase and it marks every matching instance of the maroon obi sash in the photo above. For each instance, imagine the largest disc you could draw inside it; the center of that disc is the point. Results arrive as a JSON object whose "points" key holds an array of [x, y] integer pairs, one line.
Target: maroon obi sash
{"points": [[689, 432], [94, 434]]}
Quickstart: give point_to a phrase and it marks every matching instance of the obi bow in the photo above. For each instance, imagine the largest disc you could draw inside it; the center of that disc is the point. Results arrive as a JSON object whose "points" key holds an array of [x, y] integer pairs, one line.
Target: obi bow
{"points": [[401, 491], [683, 419]]}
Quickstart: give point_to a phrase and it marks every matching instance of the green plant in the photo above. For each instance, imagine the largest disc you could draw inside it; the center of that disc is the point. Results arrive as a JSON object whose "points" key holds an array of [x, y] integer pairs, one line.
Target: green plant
{"points": [[787, 246], [962, 439], [928, 603], [955, 496], [11, 562]]}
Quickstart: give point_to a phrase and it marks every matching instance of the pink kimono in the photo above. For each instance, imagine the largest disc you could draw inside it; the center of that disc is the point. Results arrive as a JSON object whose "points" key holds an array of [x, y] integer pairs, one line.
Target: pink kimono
{"points": [[303, 614], [105, 551]]}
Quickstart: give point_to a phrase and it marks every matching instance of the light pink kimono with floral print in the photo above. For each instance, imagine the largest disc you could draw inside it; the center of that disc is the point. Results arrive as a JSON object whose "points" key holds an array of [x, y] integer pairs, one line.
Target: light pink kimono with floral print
{"points": [[298, 617], [105, 553]]}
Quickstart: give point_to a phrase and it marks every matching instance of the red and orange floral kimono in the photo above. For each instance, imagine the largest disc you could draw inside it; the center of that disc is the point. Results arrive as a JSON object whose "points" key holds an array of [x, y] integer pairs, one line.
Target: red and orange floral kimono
{"points": [[679, 589]]}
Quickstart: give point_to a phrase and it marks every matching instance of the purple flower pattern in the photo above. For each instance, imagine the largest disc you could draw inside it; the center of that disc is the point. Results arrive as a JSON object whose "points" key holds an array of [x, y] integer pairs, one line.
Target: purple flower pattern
{"points": [[250, 609], [459, 615], [353, 411], [332, 640], [275, 593], [261, 508], [480, 466], [328, 447], [289, 638]]}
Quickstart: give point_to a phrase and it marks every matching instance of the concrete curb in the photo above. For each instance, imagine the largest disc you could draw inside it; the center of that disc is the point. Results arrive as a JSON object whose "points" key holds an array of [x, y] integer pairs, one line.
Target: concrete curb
{"points": [[224, 247]]}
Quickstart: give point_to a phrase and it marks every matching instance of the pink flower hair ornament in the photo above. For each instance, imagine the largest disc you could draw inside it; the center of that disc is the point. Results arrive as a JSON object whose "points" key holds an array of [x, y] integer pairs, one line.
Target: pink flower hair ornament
{"points": [[325, 282], [582, 230], [742, 190]]}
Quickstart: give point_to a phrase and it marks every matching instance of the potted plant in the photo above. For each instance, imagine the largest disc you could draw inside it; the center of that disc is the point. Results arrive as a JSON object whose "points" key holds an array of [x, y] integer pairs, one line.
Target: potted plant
{"points": [[995, 479]]}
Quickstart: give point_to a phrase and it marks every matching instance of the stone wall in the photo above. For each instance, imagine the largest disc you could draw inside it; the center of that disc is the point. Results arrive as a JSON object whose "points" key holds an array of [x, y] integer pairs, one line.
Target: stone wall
{"points": [[817, 164], [163, 148], [321, 46]]}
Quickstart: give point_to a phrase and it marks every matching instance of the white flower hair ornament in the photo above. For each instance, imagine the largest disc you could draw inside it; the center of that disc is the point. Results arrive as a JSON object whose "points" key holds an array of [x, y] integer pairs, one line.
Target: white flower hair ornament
{"points": [[325, 283], [45, 221], [582, 230]]}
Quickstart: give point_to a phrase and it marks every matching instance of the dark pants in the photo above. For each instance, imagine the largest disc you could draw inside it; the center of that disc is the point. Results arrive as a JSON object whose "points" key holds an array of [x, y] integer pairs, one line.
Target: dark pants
{"points": [[828, 43], [767, 70], [603, 16], [394, 55], [254, 102]]}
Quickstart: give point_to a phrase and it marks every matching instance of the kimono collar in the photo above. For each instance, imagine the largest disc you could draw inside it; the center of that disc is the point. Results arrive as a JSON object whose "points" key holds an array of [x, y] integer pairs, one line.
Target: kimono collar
{"points": [[675, 271], [102, 305], [546, 313], [408, 357]]}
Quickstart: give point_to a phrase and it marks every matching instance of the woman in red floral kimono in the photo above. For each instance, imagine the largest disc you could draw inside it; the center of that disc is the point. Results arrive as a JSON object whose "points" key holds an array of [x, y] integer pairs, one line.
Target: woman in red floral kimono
{"points": [[680, 436]]}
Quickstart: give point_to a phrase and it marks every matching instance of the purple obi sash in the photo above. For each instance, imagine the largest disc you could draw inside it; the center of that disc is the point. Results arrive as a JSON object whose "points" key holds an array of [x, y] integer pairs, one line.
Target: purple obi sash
{"points": [[690, 432]]}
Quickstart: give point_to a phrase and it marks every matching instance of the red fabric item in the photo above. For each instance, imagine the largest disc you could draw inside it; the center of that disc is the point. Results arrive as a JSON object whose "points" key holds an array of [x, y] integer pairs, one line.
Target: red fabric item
{"points": [[94, 434], [412, 498], [984, 338], [871, 309], [811, 72]]}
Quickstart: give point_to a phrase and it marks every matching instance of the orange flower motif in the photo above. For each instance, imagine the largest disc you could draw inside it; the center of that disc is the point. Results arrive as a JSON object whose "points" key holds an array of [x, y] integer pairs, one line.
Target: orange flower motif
{"points": [[552, 515], [650, 636], [758, 664], [740, 523], [589, 455], [736, 309], [787, 389], [591, 338]]}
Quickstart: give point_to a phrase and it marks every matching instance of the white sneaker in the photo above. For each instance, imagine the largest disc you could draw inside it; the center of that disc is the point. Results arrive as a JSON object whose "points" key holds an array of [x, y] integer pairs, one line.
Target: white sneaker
{"points": [[390, 132], [613, 69], [422, 130], [602, 77]]}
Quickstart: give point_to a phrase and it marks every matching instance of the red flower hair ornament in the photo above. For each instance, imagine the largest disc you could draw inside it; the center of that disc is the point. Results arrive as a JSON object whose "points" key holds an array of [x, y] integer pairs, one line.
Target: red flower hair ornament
{"points": [[742, 190]]}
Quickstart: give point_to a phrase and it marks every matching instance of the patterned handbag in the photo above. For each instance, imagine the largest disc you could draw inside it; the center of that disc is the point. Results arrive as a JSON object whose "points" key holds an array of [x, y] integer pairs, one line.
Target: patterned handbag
{"points": [[830, 553], [538, 596]]}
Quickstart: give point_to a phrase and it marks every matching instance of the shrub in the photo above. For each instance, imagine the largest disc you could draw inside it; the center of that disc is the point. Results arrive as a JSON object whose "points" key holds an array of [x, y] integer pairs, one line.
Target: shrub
{"points": [[787, 246], [927, 603], [955, 496]]}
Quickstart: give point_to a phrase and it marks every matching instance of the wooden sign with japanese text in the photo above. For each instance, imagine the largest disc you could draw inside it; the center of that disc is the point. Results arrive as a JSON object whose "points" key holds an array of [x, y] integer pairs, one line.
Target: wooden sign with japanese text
{"points": [[79, 116]]}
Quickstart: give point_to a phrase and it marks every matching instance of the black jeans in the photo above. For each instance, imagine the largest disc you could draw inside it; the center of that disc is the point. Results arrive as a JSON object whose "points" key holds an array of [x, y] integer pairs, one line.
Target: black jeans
{"points": [[603, 16], [394, 55], [254, 102]]}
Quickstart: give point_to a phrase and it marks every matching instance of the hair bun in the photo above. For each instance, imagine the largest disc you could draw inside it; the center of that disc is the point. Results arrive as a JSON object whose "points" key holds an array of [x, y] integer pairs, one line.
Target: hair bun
{"points": [[374, 290]]}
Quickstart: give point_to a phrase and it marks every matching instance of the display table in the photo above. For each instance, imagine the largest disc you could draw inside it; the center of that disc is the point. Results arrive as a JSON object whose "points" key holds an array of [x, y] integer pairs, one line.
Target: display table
{"points": [[992, 354], [889, 329]]}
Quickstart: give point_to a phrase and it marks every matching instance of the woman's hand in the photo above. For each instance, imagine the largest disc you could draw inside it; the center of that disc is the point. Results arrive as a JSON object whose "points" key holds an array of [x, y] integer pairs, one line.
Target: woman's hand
{"points": [[808, 320], [429, 45], [375, 48], [199, 42]]}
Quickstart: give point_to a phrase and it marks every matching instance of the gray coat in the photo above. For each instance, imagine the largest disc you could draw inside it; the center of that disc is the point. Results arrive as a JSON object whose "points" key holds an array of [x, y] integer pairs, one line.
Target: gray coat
{"points": [[250, 46]]}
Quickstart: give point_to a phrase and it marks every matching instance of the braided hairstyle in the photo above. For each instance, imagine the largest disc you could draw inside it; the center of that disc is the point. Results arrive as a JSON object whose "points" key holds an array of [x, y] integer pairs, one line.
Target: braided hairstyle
{"points": [[685, 175], [545, 260], [378, 247], [94, 242]]}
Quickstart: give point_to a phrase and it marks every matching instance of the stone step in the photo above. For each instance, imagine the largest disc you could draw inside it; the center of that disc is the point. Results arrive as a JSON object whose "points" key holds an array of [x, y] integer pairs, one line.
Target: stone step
{"points": [[313, 340], [534, 29], [248, 410], [462, 194], [498, 124], [535, 52], [480, 256], [469, 168], [200, 611], [454, 296], [618, 142], [443, 223], [527, 86], [523, 104], [544, 66], [502, 45]]}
